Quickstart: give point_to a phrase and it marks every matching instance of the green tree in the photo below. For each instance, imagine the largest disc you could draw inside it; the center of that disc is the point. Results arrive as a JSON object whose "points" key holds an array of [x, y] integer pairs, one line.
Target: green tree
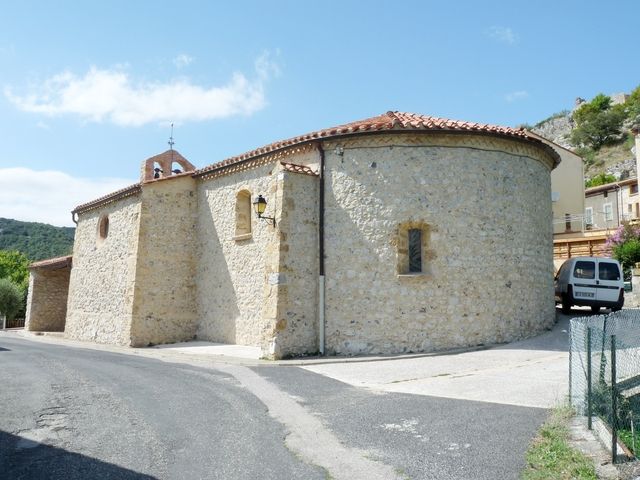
{"points": [[599, 179], [597, 122], [15, 267], [632, 106], [11, 298]]}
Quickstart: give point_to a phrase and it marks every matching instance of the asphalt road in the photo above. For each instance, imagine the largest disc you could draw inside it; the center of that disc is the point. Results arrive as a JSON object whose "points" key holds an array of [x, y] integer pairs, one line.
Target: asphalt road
{"points": [[72, 413], [100, 415]]}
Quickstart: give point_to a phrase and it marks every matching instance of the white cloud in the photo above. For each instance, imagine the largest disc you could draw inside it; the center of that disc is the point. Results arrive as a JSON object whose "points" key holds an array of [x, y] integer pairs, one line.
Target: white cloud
{"points": [[48, 196], [503, 34], [267, 68], [514, 96], [182, 60], [113, 96], [43, 125]]}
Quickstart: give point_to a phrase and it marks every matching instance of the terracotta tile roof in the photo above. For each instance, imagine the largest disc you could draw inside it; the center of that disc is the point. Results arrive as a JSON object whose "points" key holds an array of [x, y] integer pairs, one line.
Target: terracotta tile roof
{"points": [[390, 121], [295, 168], [111, 197], [610, 186], [53, 263]]}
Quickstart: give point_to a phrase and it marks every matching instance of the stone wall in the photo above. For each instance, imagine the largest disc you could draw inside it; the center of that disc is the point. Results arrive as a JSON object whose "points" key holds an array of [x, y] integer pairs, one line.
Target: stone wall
{"points": [[101, 286], [164, 309], [296, 276], [232, 271], [486, 202], [47, 300], [174, 265], [260, 288]]}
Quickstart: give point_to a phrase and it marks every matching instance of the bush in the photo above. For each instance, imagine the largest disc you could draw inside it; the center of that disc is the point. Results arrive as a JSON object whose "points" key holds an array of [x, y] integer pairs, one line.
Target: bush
{"points": [[624, 245], [599, 179], [11, 298], [587, 154]]}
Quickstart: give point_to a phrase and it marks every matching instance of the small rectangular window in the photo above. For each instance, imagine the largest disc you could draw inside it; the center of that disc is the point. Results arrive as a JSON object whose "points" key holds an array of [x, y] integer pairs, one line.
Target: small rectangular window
{"points": [[586, 270], [608, 271], [588, 216], [415, 250], [633, 189], [608, 212]]}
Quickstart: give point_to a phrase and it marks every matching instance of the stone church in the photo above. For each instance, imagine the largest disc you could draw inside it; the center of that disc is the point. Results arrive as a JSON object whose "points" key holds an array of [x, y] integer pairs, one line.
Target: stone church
{"points": [[397, 233]]}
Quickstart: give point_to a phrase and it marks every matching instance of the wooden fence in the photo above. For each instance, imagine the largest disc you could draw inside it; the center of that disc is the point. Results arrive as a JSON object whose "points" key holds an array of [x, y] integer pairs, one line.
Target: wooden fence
{"points": [[564, 248], [15, 323]]}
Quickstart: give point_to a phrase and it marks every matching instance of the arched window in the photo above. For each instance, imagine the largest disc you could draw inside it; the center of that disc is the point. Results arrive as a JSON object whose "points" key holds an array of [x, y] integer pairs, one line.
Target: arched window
{"points": [[176, 168], [103, 228], [157, 170], [243, 215]]}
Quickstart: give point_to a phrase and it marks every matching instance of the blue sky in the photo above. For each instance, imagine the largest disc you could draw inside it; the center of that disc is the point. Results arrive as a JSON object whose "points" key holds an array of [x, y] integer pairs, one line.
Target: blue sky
{"points": [[88, 89]]}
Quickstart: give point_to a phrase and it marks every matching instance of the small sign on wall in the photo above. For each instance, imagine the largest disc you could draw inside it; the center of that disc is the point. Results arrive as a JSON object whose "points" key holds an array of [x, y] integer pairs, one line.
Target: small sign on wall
{"points": [[277, 279]]}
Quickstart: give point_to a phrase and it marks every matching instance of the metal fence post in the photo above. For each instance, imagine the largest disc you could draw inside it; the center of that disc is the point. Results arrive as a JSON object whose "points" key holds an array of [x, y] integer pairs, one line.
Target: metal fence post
{"points": [[589, 426], [603, 359], [614, 403], [571, 333]]}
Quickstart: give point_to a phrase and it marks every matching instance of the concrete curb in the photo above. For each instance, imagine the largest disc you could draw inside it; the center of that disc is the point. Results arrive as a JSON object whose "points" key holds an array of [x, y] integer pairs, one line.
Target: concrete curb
{"points": [[589, 443], [168, 352]]}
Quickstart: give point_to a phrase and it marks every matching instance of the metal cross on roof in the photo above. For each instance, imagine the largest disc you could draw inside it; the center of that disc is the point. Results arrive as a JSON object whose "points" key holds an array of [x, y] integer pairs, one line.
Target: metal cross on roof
{"points": [[171, 142]]}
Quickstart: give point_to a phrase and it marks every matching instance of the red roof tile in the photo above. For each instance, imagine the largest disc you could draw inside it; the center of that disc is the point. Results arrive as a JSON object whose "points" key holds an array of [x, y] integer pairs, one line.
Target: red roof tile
{"points": [[390, 121], [53, 263], [111, 197]]}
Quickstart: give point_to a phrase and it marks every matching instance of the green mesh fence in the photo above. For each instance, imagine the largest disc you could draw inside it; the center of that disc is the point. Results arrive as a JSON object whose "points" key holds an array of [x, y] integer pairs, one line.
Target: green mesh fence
{"points": [[605, 373]]}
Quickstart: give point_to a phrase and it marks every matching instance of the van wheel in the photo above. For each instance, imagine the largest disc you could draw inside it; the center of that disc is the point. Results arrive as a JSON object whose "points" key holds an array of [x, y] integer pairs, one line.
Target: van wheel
{"points": [[595, 309], [566, 302]]}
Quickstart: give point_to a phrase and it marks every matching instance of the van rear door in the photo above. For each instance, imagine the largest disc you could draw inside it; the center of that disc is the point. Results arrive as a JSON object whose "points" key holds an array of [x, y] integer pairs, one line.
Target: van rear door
{"points": [[584, 280], [608, 281]]}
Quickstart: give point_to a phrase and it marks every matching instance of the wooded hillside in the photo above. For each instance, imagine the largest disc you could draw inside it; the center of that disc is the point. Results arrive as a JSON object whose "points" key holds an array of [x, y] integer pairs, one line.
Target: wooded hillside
{"points": [[36, 240]]}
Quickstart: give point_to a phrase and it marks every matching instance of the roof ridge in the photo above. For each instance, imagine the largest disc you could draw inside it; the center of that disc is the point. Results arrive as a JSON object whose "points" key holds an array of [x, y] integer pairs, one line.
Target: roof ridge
{"points": [[110, 197], [390, 120]]}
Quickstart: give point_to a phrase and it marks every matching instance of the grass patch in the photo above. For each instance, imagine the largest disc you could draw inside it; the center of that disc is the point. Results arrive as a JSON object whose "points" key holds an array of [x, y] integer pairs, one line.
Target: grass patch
{"points": [[550, 457], [630, 440]]}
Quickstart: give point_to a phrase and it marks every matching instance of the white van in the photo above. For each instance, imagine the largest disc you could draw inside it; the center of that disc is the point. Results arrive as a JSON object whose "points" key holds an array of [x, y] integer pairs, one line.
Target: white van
{"points": [[590, 281]]}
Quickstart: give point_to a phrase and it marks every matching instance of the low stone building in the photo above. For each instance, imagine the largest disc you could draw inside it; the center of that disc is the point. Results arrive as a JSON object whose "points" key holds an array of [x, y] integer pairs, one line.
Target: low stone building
{"points": [[48, 293], [398, 233]]}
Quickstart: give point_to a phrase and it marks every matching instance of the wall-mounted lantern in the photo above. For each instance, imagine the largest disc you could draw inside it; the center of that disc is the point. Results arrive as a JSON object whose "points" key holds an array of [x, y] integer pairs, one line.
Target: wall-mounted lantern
{"points": [[260, 205]]}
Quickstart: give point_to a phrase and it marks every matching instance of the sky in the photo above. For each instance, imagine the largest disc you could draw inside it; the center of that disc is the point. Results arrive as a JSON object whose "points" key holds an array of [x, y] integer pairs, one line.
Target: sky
{"points": [[88, 90]]}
